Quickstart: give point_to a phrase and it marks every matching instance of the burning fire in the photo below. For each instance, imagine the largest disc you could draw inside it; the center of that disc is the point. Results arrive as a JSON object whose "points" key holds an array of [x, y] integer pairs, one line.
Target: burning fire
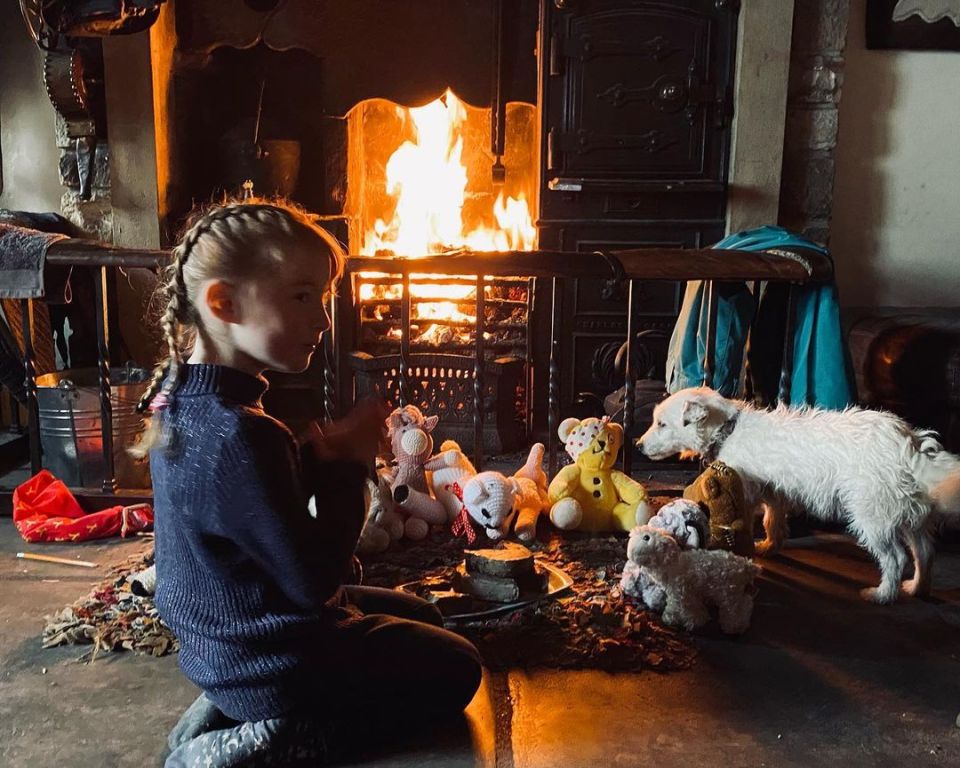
{"points": [[429, 181], [438, 196]]}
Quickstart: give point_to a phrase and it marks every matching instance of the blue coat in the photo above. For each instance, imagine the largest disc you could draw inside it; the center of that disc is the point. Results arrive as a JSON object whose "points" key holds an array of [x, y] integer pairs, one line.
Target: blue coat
{"points": [[822, 373]]}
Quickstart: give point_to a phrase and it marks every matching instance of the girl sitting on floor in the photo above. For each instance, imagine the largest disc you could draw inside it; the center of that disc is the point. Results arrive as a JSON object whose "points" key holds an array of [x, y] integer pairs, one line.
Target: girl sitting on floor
{"points": [[251, 584]]}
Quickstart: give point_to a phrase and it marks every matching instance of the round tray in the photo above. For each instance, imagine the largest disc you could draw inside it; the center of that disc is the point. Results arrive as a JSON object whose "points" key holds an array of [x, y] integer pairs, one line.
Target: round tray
{"points": [[558, 582]]}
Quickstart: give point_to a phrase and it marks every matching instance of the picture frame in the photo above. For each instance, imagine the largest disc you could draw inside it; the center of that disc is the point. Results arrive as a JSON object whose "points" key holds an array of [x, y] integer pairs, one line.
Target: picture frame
{"points": [[913, 25]]}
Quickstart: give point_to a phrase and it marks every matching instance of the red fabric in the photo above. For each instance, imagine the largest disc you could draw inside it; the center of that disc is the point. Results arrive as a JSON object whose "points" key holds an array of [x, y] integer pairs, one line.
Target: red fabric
{"points": [[45, 510], [462, 524]]}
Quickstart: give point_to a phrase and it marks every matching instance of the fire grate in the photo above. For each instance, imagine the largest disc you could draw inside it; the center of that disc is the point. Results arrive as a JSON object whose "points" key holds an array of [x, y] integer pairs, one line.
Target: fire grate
{"points": [[444, 385]]}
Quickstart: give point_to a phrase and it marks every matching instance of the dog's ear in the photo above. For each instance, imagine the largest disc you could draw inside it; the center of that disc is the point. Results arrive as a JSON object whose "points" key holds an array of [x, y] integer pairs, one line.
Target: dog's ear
{"points": [[430, 422], [694, 412]]}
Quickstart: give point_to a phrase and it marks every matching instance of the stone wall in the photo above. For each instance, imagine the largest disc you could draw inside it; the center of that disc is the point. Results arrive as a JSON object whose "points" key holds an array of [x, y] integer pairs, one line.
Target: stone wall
{"points": [[810, 140], [94, 215]]}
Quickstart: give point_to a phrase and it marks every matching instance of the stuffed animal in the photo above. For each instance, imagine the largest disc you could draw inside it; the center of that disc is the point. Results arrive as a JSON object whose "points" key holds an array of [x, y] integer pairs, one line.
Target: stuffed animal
{"points": [[590, 494], [720, 490], [693, 580], [638, 583], [409, 434], [496, 502], [686, 521], [688, 524], [447, 469], [383, 525]]}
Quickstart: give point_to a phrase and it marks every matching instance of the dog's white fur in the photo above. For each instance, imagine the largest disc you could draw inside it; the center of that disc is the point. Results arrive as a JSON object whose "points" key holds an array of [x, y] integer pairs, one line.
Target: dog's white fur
{"points": [[866, 468]]}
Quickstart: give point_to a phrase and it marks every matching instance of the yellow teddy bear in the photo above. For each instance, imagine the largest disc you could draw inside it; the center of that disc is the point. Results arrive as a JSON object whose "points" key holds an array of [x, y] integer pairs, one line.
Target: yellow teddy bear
{"points": [[590, 494]]}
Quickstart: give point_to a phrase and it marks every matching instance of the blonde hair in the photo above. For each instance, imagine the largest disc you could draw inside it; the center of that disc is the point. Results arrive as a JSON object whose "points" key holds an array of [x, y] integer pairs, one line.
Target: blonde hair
{"points": [[233, 239]]}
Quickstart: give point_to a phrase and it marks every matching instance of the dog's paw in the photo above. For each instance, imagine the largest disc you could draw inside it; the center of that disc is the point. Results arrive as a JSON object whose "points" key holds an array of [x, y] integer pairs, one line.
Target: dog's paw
{"points": [[876, 595]]}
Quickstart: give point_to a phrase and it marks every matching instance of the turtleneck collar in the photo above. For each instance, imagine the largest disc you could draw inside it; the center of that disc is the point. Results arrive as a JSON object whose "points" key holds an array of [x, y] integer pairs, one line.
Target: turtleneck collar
{"points": [[204, 379]]}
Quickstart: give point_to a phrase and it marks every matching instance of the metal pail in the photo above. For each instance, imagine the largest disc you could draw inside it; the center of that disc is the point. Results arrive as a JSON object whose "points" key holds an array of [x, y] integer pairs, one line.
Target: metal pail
{"points": [[69, 416]]}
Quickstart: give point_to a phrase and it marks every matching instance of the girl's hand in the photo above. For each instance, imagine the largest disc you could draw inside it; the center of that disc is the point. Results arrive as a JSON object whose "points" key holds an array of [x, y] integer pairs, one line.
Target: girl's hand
{"points": [[358, 436]]}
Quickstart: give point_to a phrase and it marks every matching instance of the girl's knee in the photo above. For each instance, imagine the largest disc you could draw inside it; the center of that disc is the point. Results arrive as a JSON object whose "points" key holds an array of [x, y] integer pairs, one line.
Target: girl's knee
{"points": [[461, 672]]}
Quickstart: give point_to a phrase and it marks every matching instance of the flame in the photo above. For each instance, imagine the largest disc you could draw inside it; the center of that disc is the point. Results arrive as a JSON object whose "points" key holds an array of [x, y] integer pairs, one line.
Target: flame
{"points": [[429, 181]]}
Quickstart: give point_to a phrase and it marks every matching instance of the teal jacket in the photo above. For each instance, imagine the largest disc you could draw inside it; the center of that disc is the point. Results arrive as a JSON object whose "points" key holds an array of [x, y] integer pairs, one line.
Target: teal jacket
{"points": [[822, 372]]}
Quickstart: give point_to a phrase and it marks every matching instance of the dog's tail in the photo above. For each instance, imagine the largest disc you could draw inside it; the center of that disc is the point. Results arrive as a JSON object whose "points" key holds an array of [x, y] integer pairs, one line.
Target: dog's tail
{"points": [[937, 471]]}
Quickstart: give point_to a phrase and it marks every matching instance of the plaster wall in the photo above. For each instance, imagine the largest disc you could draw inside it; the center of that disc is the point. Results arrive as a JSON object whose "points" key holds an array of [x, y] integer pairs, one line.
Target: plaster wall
{"points": [[897, 194], [29, 156]]}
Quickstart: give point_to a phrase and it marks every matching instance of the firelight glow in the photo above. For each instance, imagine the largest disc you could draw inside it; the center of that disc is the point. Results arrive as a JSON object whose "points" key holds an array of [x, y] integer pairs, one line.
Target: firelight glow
{"points": [[428, 180]]}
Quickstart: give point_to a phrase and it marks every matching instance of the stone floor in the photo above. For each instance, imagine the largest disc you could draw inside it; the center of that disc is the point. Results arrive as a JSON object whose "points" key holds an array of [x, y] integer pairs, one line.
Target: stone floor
{"points": [[820, 679]]}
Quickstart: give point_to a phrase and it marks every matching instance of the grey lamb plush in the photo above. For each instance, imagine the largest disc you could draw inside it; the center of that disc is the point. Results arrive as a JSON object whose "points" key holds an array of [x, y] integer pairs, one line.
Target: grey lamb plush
{"points": [[694, 580]]}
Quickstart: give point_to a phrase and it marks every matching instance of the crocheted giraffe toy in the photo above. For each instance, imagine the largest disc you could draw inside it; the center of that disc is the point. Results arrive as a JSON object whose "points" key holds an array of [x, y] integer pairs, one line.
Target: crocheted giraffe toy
{"points": [[409, 434]]}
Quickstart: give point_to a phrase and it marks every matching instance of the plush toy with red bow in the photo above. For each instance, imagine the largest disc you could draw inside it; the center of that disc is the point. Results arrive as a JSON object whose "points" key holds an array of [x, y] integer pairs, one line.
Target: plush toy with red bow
{"points": [[497, 503]]}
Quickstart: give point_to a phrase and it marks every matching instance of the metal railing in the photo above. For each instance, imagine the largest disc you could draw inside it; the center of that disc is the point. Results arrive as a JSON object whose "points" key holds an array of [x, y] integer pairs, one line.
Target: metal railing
{"points": [[549, 268]]}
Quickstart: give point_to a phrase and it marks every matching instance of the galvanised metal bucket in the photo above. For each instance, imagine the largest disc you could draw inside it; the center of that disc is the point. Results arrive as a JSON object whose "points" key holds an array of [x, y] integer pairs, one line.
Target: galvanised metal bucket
{"points": [[69, 417]]}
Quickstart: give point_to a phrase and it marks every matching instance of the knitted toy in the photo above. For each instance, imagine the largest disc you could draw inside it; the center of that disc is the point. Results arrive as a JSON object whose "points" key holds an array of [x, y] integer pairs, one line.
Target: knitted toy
{"points": [[449, 467], [693, 580], [495, 502], [590, 494], [409, 434], [687, 523], [384, 525], [720, 490]]}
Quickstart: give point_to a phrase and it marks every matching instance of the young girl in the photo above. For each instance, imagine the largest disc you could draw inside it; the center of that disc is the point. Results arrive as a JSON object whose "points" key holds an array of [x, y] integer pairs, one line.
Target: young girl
{"points": [[248, 581]]}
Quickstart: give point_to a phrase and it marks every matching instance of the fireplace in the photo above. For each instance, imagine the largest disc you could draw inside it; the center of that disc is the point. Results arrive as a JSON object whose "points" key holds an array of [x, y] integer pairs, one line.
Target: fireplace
{"points": [[582, 125]]}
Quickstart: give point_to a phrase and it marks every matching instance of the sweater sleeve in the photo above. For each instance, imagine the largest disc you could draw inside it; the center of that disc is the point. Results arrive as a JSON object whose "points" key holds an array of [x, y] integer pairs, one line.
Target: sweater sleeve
{"points": [[262, 507]]}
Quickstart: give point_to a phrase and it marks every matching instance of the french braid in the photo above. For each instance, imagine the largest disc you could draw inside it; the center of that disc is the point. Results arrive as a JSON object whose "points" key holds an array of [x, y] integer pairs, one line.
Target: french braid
{"points": [[228, 229]]}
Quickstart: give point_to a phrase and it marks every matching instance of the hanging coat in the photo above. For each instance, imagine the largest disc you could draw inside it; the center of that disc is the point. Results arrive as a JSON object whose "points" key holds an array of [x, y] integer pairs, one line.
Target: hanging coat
{"points": [[822, 373]]}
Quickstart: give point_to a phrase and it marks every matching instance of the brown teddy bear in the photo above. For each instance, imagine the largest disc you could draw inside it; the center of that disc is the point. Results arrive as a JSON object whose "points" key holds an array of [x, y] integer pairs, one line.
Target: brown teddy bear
{"points": [[720, 490]]}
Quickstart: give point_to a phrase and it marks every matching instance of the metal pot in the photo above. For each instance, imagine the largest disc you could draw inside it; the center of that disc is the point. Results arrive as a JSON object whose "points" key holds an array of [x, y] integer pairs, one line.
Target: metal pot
{"points": [[69, 416]]}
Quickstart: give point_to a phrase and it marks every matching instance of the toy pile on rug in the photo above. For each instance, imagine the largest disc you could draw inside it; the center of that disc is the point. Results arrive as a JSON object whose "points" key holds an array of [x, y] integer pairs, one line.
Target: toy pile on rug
{"points": [[683, 563], [112, 617], [595, 627], [685, 559]]}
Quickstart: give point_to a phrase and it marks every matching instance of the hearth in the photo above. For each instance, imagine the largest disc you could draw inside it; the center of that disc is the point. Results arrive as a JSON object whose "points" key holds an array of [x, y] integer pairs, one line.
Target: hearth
{"points": [[586, 125]]}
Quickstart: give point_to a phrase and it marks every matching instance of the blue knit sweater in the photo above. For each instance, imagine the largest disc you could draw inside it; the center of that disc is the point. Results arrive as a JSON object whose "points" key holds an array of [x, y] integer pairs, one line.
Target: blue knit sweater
{"points": [[246, 578]]}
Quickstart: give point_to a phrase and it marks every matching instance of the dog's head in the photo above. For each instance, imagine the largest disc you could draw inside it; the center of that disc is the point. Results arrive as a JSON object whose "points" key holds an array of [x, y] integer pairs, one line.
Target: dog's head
{"points": [[686, 421], [651, 546]]}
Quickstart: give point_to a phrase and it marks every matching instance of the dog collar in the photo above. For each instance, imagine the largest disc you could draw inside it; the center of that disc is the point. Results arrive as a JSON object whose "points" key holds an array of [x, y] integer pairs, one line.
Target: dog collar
{"points": [[720, 437]]}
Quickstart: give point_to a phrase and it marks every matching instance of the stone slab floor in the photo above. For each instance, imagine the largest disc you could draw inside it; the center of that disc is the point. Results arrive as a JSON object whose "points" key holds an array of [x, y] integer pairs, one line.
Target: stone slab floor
{"points": [[821, 679]]}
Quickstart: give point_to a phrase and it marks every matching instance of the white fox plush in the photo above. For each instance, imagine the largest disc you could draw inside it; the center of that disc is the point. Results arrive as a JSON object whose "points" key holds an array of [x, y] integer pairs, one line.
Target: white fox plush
{"points": [[497, 502]]}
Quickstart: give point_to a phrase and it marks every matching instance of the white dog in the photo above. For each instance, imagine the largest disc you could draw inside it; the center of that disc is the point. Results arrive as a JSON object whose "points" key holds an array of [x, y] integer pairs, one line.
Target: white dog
{"points": [[866, 468]]}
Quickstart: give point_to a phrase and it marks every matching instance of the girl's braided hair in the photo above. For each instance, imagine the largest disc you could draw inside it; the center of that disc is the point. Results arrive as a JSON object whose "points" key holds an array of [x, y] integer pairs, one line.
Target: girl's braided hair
{"points": [[234, 238]]}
